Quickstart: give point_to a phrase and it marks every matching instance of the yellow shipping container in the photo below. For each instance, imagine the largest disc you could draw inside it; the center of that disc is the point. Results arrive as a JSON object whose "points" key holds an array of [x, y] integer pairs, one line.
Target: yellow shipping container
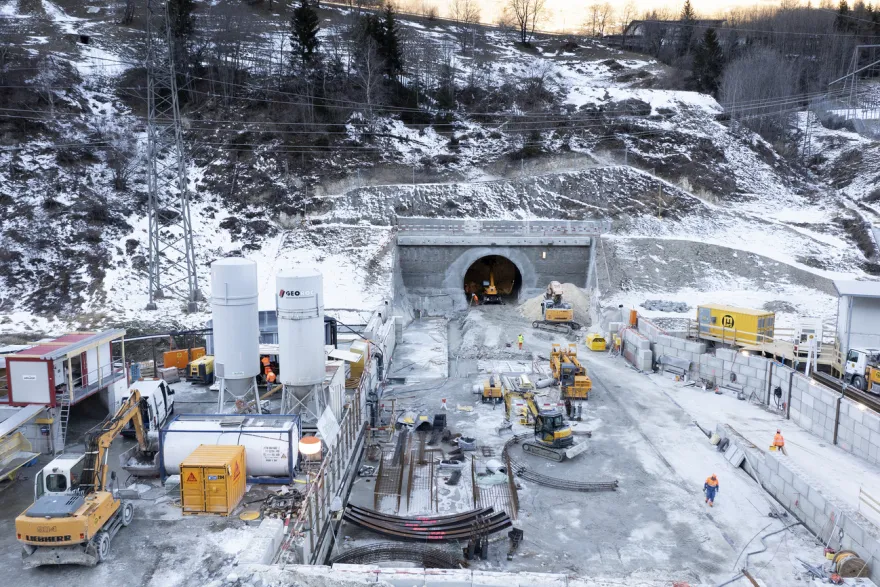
{"points": [[734, 325], [212, 479]]}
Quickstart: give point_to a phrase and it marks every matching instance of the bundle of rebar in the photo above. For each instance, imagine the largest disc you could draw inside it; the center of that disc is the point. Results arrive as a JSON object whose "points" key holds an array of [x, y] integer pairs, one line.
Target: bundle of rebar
{"points": [[523, 472], [427, 557], [428, 528]]}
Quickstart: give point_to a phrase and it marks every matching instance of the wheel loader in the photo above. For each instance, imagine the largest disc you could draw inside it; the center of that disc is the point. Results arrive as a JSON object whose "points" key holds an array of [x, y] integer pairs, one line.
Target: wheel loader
{"points": [[76, 513]]}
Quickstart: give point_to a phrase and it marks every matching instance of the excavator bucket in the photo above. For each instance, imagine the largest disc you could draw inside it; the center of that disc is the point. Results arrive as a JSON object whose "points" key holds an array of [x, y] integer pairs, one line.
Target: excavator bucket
{"points": [[60, 555]]}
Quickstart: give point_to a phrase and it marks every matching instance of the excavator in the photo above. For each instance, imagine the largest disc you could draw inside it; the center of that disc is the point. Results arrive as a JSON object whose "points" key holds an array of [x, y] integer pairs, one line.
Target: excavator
{"points": [[76, 513], [570, 373], [552, 434], [490, 292], [558, 316]]}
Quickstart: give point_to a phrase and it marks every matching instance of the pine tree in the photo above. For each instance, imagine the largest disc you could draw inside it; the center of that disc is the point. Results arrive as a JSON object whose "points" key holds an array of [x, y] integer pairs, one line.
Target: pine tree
{"points": [[686, 33], [305, 25], [180, 12], [390, 44], [708, 63], [843, 22]]}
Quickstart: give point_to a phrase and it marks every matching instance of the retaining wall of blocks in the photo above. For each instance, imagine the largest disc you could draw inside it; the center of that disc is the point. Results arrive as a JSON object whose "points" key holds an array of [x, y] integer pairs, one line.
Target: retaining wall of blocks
{"points": [[810, 405], [831, 521]]}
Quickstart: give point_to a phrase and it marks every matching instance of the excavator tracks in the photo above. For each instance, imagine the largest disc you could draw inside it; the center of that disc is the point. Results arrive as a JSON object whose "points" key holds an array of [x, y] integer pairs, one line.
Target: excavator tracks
{"points": [[565, 329], [545, 452]]}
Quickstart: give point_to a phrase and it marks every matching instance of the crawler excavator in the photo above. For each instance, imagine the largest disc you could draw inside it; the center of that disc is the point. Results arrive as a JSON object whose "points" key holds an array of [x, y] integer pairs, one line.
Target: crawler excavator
{"points": [[490, 292], [552, 434], [76, 513], [557, 315]]}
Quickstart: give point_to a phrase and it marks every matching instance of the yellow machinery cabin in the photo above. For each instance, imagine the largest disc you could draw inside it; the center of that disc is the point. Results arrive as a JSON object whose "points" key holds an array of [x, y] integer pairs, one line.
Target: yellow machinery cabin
{"points": [[732, 325], [212, 479], [595, 342], [493, 392]]}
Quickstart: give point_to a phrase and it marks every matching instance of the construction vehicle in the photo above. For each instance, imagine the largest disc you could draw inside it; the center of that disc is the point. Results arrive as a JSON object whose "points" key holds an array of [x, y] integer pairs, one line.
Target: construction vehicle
{"points": [[490, 292], [558, 316], [595, 342], [76, 513], [493, 391], [568, 371], [201, 370], [862, 369], [552, 434]]}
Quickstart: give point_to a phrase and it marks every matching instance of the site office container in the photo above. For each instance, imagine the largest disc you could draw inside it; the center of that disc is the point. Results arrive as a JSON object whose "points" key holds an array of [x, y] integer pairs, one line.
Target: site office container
{"points": [[212, 479], [734, 325]]}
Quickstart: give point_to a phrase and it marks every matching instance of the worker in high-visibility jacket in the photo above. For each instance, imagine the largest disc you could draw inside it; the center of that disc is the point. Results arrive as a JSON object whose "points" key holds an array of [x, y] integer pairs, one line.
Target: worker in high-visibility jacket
{"points": [[710, 488], [779, 442], [519, 339]]}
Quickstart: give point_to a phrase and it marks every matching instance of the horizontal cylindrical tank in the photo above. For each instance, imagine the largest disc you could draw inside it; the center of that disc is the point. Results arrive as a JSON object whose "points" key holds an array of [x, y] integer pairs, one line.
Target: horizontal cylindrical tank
{"points": [[270, 442], [235, 321], [299, 301]]}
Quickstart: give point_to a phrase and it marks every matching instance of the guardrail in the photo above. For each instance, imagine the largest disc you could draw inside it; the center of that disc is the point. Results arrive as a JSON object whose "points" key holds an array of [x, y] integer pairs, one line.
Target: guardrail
{"points": [[521, 228]]}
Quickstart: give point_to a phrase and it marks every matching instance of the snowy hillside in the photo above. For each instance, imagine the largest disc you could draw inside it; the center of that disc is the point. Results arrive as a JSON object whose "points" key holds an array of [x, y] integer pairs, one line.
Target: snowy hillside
{"points": [[700, 213]]}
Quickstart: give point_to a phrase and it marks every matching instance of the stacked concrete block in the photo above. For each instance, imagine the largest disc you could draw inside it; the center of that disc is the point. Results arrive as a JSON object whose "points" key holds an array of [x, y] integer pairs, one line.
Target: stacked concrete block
{"points": [[859, 431], [637, 350], [804, 498]]}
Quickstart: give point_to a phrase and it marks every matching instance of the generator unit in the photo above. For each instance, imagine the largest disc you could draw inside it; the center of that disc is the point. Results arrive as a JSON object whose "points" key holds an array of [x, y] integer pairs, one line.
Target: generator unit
{"points": [[201, 370]]}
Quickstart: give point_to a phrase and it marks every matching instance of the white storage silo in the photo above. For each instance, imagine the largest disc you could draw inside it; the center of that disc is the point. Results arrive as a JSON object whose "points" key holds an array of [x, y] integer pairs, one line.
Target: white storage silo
{"points": [[299, 302], [235, 324]]}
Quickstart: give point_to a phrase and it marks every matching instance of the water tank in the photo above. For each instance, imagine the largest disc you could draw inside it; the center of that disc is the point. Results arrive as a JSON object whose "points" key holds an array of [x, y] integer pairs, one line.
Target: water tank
{"points": [[300, 305], [270, 442], [235, 322]]}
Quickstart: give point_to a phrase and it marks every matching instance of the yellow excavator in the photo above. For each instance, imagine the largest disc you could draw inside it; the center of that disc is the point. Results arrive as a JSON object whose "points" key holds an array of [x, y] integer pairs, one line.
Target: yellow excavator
{"points": [[557, 315], [490, 292], [76, 513], [551, 432]]}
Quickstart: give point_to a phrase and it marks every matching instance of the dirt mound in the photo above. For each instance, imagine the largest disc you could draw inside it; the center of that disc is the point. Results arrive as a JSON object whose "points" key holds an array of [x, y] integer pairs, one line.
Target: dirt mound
{"points": [[571, 294]]}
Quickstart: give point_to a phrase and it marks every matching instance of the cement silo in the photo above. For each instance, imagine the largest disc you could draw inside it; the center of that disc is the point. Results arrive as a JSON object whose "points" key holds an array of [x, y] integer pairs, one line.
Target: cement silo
{"points": [[235, 324], [299, 302]]}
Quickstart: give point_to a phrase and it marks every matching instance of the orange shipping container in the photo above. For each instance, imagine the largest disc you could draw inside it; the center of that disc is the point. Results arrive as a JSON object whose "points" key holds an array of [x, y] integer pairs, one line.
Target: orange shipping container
{"points": [[212, 479], [177, 359]]}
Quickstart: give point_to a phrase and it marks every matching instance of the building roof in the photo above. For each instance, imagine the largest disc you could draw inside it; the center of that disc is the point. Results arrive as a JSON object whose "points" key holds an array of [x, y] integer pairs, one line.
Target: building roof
{"points": [[858, 289], [735, 310], [70, 344]]}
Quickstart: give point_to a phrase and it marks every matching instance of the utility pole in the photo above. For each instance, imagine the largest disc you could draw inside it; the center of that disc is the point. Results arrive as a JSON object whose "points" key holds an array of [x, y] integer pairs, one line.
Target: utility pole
{"points": [[172, 260]]}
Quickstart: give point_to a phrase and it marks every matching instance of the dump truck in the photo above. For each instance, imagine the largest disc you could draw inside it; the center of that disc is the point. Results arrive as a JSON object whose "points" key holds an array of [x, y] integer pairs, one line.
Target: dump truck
{"points": [[76, 513]]}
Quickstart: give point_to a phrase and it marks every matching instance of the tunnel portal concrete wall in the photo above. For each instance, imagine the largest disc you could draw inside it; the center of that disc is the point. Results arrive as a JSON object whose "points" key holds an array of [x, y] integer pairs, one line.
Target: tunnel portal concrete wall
{"points": [[434, 275]]}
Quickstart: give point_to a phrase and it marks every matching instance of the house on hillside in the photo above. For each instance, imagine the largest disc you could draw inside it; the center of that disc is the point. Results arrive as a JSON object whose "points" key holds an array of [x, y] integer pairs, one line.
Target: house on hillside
{"points": [[650, 36]]}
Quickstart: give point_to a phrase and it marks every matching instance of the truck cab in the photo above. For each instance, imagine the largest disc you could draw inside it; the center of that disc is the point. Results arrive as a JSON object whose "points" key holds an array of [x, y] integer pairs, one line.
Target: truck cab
{"points": [[60, 477], [862, 368]]}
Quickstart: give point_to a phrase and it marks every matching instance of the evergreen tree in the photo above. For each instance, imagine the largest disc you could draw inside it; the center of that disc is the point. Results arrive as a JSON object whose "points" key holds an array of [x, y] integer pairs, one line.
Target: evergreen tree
{"points": [[305, 25], [180, 12], [708, 63], [390, 44], [686, 33], [843, 22]]}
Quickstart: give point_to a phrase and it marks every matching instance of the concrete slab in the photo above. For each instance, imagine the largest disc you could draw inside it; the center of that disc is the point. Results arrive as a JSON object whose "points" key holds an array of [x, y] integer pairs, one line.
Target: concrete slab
{"points": [[422, 352]]}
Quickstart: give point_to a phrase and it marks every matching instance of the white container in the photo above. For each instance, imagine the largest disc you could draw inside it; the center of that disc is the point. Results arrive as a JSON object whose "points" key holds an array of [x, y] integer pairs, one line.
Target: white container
{"points": [[299, 300], [235, 322], [270, 443]]}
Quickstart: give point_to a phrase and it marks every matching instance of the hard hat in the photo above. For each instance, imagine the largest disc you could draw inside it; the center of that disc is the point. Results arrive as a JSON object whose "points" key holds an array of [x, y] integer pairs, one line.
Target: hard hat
{"points": [[778, 431], [713, 476]]}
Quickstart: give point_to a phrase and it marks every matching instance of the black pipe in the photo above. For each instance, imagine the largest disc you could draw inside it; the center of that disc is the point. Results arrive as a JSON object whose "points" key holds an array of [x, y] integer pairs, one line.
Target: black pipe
{"points": [[837, 419], [788, 405], [769, 382]]}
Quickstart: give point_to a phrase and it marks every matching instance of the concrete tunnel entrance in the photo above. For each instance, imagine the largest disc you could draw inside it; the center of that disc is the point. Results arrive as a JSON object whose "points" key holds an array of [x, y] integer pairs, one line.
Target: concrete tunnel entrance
{"points": [[508, 279]]}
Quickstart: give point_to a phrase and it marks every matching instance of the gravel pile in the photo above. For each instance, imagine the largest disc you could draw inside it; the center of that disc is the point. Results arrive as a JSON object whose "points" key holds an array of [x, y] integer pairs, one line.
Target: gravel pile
{"points": [[666, 306], [571, 294]]}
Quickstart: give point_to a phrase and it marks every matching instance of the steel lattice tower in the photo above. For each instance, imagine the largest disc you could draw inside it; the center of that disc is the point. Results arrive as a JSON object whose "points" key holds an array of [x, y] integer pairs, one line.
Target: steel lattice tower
{"points": [[172, 262]]}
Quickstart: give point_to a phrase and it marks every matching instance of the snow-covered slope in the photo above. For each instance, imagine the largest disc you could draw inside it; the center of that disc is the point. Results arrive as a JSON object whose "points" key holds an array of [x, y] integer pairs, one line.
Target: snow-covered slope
{"points": [[699, 212]]}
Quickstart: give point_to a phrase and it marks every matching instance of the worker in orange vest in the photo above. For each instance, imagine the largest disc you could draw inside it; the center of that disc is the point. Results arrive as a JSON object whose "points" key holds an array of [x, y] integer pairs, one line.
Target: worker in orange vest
{"points": [[710, 488], [779, 442], [475, 301]]}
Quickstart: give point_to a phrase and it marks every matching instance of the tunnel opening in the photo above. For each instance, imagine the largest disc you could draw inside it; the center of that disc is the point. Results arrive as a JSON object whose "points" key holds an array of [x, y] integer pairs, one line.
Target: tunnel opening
{"points": [[489, 270]]}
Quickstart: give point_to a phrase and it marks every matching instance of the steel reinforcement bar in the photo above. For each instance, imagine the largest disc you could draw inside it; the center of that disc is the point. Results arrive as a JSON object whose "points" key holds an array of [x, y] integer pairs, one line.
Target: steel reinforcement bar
{"points": [[460, 529], [523, 472], [430, 558]]}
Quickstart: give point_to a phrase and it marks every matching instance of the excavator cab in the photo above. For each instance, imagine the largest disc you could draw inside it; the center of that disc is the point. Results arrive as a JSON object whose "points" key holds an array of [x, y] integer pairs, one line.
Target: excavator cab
{"points": [[551, 430], [490, 292]]}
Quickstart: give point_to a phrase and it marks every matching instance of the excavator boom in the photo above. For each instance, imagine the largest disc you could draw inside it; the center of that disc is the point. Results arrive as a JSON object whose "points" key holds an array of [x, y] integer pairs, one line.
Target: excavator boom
{"points": [[98, 442]]}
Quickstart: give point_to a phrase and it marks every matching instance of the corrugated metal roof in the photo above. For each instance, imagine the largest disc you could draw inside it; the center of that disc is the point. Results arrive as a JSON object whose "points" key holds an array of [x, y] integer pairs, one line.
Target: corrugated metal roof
{"points": [[71, 343], [213, 455], [858, 289]]}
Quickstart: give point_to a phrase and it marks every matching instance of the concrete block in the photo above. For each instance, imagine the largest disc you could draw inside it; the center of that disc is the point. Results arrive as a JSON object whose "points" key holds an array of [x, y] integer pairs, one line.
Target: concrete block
{"points": [[772, 463], [807, 509], [853, 529], [759, 363], [677, 343], [264, 544], [872, 421], [725, 354], [807, 400], [644, 360], [817, 499], [785, 474], [698, 348]]}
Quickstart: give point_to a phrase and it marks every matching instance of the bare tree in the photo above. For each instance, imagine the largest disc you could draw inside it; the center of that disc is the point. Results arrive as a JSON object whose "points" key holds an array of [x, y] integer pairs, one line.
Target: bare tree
{"points": [[627, 14], [370, 76], [120, 145], [467, 13], [126, 11], [526, 15], [599, 16]]}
